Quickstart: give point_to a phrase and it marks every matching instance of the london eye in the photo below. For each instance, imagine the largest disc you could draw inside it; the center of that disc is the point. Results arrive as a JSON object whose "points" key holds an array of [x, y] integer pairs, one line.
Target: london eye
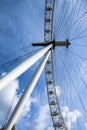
{"points": [[51, 40]]}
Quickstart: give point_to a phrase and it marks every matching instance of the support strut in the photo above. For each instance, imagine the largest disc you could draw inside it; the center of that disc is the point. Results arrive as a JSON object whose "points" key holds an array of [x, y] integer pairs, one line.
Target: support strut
{"points": [[18, 109], [22, 67]]}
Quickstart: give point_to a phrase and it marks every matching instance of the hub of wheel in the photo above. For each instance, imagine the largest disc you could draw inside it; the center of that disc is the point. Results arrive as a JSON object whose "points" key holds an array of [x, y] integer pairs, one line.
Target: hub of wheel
{"points": [[55, 43]]}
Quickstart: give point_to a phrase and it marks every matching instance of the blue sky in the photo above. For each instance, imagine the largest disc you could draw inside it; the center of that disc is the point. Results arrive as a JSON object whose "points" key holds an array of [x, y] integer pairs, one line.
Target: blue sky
{"points": [[21, 23]]}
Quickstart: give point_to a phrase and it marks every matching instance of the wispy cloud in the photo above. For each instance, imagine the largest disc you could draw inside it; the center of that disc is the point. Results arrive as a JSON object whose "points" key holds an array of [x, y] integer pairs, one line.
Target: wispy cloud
{"points": [[42, 121], [9, 99], [70, 116], [58, 90], [86, 125], [6, 98]]}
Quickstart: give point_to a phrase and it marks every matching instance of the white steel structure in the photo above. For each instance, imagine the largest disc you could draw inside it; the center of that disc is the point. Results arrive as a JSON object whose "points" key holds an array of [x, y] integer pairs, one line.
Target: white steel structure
{"points": [[18, 109], [22, 67]]}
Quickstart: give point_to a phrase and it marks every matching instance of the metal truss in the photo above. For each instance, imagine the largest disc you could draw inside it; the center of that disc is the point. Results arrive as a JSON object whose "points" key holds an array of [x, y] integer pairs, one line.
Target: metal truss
{"points": [[57, 118]]}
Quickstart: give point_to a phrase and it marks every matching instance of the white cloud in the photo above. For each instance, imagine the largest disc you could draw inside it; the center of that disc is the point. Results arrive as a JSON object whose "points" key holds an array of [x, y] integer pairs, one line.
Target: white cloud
{"points": [[43, 121], [50, 128], [6, 95], [9, 98], [86, 125], [27, 106], [58, 90], [70, 116]]}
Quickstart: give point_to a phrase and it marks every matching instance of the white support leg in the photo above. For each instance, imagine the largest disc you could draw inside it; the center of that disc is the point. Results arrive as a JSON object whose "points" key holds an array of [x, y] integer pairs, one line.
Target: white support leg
{"points": [[22, 67], [26, 94]]}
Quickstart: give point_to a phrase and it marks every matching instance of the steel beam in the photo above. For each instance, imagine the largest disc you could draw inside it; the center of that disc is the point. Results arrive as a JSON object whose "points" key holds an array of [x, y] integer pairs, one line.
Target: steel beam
{"points": [[22, 67], [25, 96]]}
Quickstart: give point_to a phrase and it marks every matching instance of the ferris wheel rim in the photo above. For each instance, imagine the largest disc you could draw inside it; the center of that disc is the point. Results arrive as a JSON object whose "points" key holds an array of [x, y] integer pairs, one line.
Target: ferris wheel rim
{"points": [[57, 118]]}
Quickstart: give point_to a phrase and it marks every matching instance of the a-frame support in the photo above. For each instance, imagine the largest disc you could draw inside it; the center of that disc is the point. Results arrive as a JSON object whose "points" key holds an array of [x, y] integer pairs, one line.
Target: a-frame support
{"points": [[21, 103]]}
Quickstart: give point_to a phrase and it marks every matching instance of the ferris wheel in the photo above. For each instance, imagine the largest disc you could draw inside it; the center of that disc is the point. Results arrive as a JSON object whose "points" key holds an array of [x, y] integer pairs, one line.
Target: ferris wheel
{"points": [[69, 24], [65, 62]]}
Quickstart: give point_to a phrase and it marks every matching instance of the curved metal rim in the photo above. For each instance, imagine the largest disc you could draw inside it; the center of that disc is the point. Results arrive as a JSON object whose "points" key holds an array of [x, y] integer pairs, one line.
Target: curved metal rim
{"points": [[57, 118]]}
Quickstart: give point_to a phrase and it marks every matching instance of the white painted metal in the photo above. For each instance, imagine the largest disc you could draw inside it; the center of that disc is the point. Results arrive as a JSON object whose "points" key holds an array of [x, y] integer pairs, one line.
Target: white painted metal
{"points": [[22, 67], [57, 118], [26, 94]]}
